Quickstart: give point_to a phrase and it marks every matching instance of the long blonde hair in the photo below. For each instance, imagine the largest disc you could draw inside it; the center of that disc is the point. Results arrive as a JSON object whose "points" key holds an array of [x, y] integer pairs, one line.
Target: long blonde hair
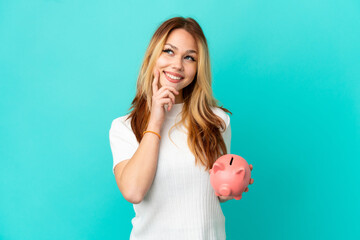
{"points": [[204, 137]]}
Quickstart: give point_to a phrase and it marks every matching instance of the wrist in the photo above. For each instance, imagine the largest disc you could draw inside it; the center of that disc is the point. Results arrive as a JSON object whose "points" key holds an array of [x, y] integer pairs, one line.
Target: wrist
{"points": [[154, 127]]}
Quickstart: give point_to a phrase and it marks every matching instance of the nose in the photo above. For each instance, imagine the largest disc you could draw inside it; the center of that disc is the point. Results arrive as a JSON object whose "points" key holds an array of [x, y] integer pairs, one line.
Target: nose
{"points": [[178, 64]]}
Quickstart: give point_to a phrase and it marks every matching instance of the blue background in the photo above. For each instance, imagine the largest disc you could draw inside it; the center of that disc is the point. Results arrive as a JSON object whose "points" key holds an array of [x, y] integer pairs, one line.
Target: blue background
{"points": [[288, 70]]}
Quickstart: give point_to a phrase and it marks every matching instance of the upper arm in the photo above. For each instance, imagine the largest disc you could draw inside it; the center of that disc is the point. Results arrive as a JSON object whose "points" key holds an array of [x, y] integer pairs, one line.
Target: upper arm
{"points": [[123, 145], [123, 142], [118, 171], [119, 168], [227, 135]]}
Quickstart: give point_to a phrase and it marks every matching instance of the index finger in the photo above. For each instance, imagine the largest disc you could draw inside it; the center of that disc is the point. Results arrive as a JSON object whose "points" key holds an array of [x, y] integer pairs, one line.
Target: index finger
{"points": [[251, 167], [155, 81]]}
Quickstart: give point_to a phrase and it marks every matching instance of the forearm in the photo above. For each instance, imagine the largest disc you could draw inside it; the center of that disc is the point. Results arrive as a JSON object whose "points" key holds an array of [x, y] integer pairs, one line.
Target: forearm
{"points": [[139, 172]]}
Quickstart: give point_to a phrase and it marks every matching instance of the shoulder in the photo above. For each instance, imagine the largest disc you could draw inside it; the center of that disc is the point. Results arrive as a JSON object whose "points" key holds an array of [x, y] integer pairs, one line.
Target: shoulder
{"points": [[221, 113], [121, 123]]}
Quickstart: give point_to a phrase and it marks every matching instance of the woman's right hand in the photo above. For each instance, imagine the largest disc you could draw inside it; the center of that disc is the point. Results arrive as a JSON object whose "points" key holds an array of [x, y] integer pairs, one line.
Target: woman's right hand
{"points": [[162, 96]]}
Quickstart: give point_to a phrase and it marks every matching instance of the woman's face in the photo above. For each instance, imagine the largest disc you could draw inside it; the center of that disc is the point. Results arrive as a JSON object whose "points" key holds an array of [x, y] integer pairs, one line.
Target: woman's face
{"points": [[177, 63]]}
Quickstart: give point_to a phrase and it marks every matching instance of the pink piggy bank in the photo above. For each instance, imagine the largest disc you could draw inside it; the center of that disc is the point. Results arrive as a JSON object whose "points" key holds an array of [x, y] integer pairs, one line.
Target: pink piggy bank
{"points": [[230, 175]]}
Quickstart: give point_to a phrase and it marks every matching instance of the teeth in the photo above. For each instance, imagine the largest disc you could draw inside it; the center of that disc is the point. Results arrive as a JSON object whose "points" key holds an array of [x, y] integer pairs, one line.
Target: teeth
{"points": [[172, 77]]}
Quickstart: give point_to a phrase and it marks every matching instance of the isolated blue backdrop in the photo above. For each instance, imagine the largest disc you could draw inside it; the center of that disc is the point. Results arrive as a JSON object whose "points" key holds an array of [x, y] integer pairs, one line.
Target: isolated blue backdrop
{"points": [[288, 70]]}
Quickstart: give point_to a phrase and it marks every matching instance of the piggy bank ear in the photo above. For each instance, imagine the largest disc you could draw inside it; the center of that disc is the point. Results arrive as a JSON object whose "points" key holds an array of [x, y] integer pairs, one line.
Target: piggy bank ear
{"points": [[240, 171], [218, 167]]}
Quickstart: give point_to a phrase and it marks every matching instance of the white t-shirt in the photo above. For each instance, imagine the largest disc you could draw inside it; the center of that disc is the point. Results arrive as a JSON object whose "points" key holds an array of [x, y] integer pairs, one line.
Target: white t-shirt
{"points": [[181, 203]]}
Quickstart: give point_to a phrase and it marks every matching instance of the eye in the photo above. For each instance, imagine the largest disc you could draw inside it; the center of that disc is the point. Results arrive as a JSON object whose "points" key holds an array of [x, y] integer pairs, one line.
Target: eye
{"points": [[192, 59], [167, 50]]}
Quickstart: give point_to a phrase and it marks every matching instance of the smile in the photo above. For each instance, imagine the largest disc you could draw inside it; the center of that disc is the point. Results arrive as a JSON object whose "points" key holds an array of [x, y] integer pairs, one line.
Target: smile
{"points": [[172, 78]]}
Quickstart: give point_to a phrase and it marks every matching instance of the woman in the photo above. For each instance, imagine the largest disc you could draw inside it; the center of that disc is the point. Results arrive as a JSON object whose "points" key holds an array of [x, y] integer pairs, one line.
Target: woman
{"points": [[163, 150]]}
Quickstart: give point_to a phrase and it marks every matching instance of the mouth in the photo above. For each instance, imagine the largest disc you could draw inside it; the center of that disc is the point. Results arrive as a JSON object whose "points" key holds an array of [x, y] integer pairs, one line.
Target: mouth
{"points": [[173, 77]]}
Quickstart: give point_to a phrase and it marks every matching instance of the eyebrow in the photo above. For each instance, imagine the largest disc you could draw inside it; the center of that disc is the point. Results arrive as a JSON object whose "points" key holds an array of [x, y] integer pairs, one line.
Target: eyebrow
{"points": [[189, 51]]}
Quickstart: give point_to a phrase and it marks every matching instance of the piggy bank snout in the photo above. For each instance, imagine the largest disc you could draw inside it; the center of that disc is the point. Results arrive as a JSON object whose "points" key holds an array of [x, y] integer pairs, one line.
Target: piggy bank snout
{"points": [[225, 190]]}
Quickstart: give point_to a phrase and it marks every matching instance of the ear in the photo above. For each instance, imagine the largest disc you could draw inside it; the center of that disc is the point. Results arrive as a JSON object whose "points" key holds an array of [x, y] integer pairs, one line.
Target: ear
{"points": [[240, 171], [218, 166]]}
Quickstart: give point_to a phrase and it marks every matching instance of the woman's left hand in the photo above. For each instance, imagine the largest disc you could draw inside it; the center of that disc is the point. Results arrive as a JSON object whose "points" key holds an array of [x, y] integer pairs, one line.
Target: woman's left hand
{"points": [[225, 198]]}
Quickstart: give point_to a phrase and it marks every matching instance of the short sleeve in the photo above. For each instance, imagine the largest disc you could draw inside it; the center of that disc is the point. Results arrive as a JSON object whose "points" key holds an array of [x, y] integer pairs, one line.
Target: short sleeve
{"points": [[123, 142], [227, 134]]}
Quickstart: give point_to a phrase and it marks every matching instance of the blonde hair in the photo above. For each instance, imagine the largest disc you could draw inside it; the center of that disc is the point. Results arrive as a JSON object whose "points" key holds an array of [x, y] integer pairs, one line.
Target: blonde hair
{"points": [[204, 137]]}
